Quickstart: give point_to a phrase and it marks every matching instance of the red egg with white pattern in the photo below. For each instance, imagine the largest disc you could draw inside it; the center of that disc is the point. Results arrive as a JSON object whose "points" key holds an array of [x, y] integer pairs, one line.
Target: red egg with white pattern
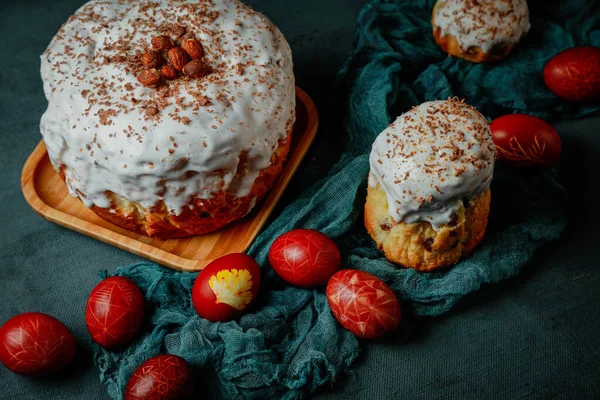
{"points": [[35, 343], [574, 74], [363, 303], [304, 257], [226, 287], [524, 140], [164, 377], [114, 312]]}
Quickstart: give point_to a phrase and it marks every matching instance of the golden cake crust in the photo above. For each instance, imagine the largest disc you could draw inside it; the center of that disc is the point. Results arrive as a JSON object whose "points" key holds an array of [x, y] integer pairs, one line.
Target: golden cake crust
{"points": [[206, 215], [474, 53], [418, 245]]}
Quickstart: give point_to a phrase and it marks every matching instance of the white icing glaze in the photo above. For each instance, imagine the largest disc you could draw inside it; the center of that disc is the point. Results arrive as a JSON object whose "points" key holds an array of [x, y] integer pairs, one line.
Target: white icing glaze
{"points": [[430, 159], [190, 147], [483, 23]]}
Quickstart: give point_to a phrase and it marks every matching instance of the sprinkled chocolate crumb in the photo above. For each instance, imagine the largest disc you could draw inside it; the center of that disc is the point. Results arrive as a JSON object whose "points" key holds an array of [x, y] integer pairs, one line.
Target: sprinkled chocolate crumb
{"points": [[151, 111]]}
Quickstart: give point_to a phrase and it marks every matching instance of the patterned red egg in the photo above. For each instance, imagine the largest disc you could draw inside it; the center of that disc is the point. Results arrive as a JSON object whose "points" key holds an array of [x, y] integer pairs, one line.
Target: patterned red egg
{"points": [[363, 303], [524, 140], [304, 257], [114, 312], [226, 287], [35, 344], [574, 74], [163, 377]]}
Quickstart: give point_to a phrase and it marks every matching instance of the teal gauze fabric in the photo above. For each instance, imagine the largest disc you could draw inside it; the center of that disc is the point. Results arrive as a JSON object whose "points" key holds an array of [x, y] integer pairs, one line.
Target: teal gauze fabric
{"points": [[289, 343]]}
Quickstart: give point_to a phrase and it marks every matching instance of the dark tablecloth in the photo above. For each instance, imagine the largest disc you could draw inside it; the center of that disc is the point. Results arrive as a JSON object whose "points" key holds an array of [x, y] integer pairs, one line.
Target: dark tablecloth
{"points": [[534, 336]]}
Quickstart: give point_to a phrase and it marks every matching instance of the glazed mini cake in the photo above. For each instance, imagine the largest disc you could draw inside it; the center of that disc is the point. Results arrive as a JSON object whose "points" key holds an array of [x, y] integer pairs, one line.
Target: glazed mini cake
{"points": [[480, 30], [169, 118], [428, 196]]}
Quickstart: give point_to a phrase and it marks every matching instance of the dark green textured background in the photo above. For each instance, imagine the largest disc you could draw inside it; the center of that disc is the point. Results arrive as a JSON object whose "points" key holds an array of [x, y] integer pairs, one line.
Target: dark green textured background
{"points": [[534, 336]]}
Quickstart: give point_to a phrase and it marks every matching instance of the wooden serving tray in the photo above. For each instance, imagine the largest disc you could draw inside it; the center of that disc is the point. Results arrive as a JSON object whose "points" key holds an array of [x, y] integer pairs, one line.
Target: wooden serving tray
{"points": [[47, 194]]}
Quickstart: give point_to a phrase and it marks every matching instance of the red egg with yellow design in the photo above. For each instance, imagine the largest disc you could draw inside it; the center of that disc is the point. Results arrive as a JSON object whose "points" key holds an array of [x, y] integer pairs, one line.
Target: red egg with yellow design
{"points": [[226, 287]]}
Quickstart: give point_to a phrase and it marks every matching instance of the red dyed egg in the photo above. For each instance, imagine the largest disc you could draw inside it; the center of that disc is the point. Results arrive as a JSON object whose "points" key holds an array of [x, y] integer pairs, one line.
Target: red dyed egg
{"points": [[304, 257], [574, 74], [162, 377], [114, 312], [35, 344], [226, 287], [524, 140], [363, 303]]}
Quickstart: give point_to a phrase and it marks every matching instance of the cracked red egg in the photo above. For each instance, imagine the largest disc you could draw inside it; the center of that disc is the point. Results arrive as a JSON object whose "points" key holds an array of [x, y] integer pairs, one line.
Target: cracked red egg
{"points": [[160, 378], [226, 287], [363, 303], [523, 140], [574, 74], [304, 257], [35, 344], [114, 312]]}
